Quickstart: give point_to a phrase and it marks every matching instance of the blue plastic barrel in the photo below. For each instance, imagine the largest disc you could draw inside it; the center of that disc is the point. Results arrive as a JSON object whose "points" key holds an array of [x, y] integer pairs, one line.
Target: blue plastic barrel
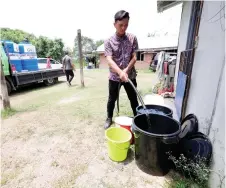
{"points": [[28, 56], [12, 50], [9, 46]]}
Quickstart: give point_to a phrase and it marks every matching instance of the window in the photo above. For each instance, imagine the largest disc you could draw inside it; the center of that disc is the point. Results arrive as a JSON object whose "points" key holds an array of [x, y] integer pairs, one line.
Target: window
{"points": [[42, 61], [52, 61], [140, 56]]}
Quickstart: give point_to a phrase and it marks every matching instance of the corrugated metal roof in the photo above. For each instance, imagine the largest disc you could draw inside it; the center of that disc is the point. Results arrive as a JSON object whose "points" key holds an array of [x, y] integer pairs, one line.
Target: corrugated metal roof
{"points": [[100, 49], [158, 42], [152, 43]]}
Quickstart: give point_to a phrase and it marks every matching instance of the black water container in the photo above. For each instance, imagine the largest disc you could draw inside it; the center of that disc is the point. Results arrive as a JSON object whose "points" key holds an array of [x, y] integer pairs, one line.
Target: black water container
{"points": [[152, 143], [155, 109]]}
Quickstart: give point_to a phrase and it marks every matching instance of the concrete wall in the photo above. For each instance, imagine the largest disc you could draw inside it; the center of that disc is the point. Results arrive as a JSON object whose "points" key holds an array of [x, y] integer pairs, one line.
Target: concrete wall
{"points": [[142, 65], [217, 135], [208, 62], [138, 65], [206, 95], [148, 57], [103, 62], [184, 24]]}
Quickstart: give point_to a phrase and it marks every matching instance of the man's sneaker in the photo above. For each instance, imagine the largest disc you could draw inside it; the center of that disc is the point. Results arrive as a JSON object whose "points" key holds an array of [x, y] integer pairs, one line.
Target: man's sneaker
{"points": [[108, 123], [68, 83]]}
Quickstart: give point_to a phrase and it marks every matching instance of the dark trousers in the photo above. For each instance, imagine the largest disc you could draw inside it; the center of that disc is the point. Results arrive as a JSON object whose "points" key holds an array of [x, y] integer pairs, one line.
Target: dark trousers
{"points": [[69, 75], [113, 95]]}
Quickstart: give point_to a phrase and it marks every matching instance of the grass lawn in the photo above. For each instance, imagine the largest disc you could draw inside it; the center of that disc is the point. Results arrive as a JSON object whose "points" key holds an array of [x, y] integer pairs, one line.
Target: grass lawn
{"points": [[55, 137]]}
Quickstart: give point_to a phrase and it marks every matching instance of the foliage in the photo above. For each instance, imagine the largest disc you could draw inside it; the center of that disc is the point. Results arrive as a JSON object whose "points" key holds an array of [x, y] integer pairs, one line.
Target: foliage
{"points": [[56, 49], [16, 35], [88, 45], [99, 43], [69, 50], [196, 170], [44, 46], [48, 47], [180, 182], [195, 173]]}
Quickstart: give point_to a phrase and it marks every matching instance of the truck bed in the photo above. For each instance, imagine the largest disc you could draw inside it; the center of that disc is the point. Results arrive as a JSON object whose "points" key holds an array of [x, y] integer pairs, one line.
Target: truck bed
{"points": [[23, 78]]}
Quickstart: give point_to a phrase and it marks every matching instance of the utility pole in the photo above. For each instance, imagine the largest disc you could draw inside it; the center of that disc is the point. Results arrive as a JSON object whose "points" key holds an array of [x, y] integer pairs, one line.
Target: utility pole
{"points": [[4, 91], [80, 57]]}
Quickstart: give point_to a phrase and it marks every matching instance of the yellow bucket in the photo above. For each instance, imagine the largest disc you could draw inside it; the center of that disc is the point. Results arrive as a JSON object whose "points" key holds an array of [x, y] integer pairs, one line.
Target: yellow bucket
{"points": [[118, 141]]}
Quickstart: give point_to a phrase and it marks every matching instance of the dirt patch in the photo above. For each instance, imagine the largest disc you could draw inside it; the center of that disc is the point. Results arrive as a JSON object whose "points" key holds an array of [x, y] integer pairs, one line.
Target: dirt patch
{"points": [[61, 143], [68, 100]]}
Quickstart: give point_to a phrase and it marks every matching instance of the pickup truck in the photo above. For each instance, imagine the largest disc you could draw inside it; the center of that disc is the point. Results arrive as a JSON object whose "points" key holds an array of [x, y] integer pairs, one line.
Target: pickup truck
{"points": [[42, 63], [15, 80]]}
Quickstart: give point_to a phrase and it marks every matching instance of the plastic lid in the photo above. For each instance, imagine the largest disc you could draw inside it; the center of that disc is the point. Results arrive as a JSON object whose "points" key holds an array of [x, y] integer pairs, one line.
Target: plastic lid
{"points": [[196, 145], [189, 126], [123, 120]]}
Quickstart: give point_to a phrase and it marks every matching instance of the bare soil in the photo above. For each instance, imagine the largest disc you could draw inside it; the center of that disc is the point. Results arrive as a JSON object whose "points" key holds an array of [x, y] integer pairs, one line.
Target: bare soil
{"points": [[56, 139]]}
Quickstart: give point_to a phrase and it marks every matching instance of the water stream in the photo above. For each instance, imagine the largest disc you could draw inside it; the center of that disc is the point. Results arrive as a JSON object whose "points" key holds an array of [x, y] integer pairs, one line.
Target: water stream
{"points": [[142, 102]]}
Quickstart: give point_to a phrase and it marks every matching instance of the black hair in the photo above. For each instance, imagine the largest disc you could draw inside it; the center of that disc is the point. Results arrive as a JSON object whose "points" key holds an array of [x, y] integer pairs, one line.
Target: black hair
{"points": [[66, 52], [120, 15]]}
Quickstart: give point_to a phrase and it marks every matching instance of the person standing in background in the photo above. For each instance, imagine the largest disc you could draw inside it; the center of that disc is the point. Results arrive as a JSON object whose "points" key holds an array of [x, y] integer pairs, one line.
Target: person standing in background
{"points": [[48, 63], [68, 68]]}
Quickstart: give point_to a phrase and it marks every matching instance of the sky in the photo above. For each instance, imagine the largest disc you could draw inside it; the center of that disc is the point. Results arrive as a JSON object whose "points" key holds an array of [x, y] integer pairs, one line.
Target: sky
{"points": [[62, 18]]}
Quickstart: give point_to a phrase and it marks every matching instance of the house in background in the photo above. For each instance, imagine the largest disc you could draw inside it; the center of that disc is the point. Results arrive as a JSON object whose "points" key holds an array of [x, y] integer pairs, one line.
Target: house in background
{"points": [[200, 72], [148, 47]]}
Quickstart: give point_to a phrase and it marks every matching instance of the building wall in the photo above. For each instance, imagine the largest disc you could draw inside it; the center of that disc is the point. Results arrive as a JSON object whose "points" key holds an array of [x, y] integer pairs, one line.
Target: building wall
{"points": [[148, 57], [138, 65], [103, 62], [217, 136], [184, 25], [142, 65], [208, 62], [206, 94]]}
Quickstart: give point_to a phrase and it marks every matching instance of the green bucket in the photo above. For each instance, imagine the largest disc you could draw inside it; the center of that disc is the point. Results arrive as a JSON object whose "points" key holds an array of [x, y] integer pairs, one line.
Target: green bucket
{"points": [[118, 141]]}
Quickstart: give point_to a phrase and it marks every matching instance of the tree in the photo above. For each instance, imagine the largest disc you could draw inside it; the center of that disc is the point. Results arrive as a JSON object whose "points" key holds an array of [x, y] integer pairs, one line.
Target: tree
{"points": [[69, 50], [56, 49], [44, 46], [4, 91], [16, 35], [79, 40], [99, 43], [88, 45]]}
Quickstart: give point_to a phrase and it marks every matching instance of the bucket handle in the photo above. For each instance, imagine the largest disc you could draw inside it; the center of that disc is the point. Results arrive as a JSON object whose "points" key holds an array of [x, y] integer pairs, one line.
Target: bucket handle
{"points": [[170, 140]]}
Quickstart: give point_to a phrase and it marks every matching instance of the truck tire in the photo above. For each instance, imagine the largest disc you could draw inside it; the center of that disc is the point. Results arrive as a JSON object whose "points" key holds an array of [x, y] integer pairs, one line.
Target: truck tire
{"points": [[56, 80], [49, 82], [9, 87]]}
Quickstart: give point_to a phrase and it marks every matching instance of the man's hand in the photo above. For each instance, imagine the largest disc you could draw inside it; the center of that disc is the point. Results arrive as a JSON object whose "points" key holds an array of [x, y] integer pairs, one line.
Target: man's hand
{"points": [[126, 70], [63, 70], [123, 76]]}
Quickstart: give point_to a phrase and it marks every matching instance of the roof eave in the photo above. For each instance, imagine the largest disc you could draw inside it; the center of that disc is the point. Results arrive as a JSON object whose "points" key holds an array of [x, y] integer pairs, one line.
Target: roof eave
{"points": [[164, 5], [157, 49], [100, 52]]}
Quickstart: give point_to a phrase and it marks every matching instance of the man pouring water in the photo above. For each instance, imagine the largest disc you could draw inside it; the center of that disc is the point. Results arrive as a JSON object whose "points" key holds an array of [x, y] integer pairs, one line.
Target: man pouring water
{"points": [[120, 52]]}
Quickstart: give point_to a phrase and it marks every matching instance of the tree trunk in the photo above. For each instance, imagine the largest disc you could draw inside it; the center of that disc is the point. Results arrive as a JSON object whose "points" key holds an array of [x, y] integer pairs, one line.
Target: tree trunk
{"points": [[80, 57], [4, 91]]}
